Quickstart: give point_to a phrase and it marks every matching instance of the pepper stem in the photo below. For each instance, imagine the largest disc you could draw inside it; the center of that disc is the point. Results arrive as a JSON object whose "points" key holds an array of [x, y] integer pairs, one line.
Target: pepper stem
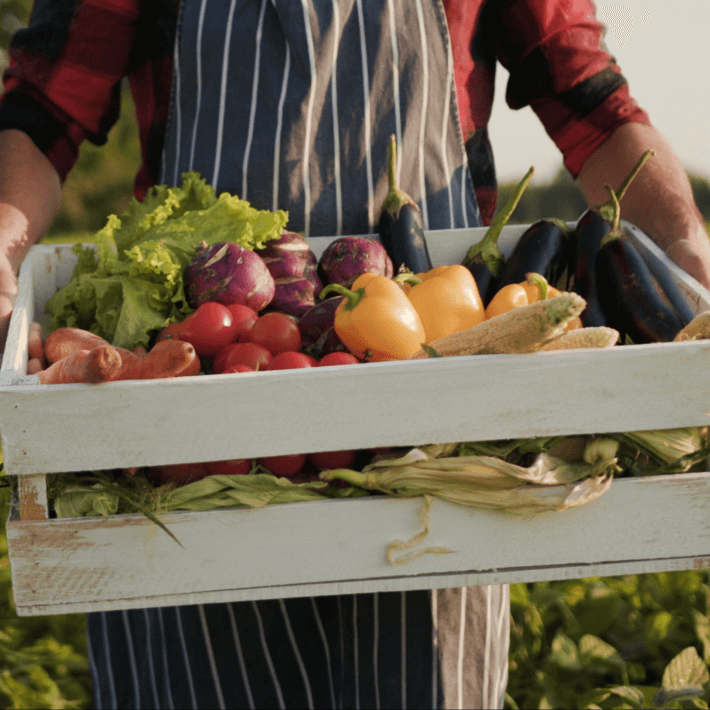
{"points": [[540, 281], [487, 249], [609, 210], [407, 277], [352, 297]]}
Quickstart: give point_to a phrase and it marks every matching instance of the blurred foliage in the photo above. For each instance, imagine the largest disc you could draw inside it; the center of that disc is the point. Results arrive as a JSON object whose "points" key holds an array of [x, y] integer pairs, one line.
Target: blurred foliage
{"points": [[638, 641], [43, 659]]}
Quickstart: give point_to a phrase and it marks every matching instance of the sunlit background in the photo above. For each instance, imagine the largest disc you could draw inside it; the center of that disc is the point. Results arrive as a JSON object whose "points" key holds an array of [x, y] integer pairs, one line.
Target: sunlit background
{"points": [[662, 48]]}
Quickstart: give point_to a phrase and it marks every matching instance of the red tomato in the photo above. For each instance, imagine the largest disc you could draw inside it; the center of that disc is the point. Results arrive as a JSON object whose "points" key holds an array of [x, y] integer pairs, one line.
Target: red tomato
{"points": [[233, 354], [229, 467], [237, 368], [338, 358], [286, 466], [244, 317], [178, 473], [323, 460], [290, 361], [277, 332], [170, 332], [209, 328]]}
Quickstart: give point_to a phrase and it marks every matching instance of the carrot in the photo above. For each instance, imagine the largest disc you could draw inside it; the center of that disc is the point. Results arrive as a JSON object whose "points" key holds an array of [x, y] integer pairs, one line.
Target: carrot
{"points": [[64, 341], [83, 366], [34, 366], [168, 358], [35, 346]]}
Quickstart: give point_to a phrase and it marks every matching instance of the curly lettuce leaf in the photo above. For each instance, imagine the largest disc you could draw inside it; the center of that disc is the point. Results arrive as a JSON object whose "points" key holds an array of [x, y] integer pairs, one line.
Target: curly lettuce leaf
{"points": [[130, 284]]}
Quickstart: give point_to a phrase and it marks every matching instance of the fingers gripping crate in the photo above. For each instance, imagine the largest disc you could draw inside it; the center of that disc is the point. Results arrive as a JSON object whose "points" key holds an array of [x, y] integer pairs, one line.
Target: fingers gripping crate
{"points": [[337, 546]]}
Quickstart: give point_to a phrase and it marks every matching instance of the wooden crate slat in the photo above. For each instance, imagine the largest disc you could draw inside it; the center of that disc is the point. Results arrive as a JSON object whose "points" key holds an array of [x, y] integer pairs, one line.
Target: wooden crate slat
{"points": [[659, 521]]}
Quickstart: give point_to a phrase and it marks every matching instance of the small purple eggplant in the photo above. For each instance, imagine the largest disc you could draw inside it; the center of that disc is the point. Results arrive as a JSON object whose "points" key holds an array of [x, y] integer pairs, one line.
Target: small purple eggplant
{"points": [[348, 257], [317, 320]]}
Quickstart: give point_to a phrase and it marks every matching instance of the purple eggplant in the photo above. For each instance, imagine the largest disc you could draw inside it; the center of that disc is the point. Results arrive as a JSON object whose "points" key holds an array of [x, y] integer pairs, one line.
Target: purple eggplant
{"points": [[347, 258], [591, 228], [230, 274], [484, 259], [317, 320], [401, 226]]}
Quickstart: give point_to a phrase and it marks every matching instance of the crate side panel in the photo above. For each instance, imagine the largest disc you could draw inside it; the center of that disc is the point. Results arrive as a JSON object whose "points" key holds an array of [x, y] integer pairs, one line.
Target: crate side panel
{"points": [[368, 586], [343, 541], [357, 406]]}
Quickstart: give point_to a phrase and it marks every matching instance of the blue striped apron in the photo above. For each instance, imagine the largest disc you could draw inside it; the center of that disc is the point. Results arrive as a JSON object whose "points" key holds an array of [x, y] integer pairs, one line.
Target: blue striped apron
{"points": [[291, 105]]}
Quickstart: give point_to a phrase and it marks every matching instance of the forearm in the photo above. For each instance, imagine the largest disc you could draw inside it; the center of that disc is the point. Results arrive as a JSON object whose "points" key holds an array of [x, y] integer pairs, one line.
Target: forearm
{"points": [[659, 201], [30, 196]]}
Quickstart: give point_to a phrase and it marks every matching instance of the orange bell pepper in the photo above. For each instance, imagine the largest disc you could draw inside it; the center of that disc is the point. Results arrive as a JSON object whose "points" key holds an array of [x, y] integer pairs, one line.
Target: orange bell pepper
{"points": [[376, 321], [535, 288], [447, 301]]}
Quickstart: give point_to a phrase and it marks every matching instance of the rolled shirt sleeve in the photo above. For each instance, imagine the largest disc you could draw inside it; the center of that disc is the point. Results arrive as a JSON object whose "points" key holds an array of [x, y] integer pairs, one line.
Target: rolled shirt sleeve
{"points": [[560, 67], [63, 83]]}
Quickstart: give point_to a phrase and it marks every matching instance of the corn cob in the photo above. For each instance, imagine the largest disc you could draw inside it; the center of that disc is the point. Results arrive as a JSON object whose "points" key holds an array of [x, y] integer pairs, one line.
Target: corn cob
{"points": [[697, 329], [521, 330], [590, 337]]}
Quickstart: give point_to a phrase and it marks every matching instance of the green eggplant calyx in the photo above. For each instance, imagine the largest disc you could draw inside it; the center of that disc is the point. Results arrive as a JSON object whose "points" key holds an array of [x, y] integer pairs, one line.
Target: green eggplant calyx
{"points": [[609, 210], [352, 297], [540, 281], [396, 198], [487, 250], [562, 226], [610, 237]]}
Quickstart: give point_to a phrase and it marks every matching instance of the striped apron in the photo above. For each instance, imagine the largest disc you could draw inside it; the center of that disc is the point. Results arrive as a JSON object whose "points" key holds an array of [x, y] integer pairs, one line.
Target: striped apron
{"points": [[291, 105]]}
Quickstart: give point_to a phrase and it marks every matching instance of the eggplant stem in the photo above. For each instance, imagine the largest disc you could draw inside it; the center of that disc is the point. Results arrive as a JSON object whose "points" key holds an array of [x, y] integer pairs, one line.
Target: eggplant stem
{"points": [[609, 210], [487, 249]]}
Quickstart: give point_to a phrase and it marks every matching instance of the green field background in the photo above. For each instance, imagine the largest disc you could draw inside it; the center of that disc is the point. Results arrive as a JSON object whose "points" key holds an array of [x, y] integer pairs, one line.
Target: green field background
{"points": [[602, 642]]}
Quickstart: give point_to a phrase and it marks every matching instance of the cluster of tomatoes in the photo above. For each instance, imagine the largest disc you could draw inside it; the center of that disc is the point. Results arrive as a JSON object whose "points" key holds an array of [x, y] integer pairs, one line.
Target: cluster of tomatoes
{"points": [[236, 338]]}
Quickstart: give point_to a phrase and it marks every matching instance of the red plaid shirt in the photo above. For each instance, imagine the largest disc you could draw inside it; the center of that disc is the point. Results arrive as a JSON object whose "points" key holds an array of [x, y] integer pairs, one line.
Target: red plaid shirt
{"points": [[63, 82]]}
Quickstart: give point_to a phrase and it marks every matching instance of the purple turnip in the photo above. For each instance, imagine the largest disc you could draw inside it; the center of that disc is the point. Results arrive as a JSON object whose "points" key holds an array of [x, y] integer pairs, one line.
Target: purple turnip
{"points": [[229, 274], [348, 257], [293, 266]]}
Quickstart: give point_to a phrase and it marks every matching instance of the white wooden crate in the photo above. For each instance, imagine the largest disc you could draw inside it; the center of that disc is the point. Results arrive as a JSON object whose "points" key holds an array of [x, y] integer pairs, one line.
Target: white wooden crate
{"points": [[338, 546]]}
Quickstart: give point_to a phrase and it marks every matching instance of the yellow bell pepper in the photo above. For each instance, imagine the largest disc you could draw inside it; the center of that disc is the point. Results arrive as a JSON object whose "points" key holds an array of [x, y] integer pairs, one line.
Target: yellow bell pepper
{"points": [[376, 321], [447, 301], [534, 288]]}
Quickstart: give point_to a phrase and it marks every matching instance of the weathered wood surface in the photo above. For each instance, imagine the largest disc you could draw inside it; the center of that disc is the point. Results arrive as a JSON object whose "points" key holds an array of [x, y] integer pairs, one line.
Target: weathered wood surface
{"points": [[81, 427], [58, 566], [639, 525], [404, 403]]}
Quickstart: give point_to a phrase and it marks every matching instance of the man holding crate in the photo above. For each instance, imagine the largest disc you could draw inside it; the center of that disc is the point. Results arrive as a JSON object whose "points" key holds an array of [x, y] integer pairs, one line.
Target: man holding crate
{"points": [[291, 105]]}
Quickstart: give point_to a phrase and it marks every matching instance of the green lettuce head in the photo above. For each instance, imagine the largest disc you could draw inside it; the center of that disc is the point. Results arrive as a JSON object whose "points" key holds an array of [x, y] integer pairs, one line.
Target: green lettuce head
{"points": [[130, 283]]}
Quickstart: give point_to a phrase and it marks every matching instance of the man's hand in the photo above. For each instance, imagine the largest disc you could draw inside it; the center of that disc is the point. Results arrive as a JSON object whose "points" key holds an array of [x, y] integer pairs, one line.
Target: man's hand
{"points": [[659, 201], [30, 196]]}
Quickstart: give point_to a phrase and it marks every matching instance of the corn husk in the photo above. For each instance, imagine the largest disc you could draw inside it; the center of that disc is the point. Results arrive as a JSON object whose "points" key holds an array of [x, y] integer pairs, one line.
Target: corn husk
{"points": [[481, 481], [485, 482], [672, 450]]}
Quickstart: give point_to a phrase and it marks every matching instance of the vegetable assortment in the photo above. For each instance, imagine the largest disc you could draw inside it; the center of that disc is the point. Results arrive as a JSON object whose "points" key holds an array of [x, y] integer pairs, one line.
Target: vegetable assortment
{"points": [[189, 283]]}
